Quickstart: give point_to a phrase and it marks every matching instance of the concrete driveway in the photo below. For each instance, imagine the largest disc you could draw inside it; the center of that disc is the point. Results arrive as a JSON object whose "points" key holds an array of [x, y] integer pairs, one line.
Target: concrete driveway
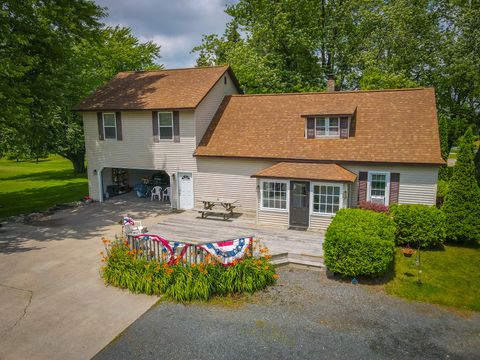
{"points": [[54, 305]]}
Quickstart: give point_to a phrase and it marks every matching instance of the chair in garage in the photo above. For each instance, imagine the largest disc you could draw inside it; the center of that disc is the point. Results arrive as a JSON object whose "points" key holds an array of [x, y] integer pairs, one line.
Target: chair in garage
{"points": [[156, 192], [166, 194]]}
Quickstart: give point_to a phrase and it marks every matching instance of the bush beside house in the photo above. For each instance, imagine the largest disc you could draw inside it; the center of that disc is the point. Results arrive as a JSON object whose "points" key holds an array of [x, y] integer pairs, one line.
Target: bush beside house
{"points": [[462, 200], [418, 224], [359, 242]]}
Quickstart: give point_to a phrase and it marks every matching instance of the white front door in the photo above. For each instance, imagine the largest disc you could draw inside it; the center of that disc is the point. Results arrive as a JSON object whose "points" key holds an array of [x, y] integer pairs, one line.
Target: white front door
{"points": [[185, 190]]}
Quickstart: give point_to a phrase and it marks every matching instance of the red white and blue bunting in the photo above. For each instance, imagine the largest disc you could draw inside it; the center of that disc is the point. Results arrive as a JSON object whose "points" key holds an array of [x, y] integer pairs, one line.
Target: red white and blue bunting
{"points": [[227, 252], [168, 247]]}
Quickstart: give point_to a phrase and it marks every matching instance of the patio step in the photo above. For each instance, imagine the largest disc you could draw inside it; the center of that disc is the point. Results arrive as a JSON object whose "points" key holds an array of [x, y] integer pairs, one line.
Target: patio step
{"points": [[303, 260]]}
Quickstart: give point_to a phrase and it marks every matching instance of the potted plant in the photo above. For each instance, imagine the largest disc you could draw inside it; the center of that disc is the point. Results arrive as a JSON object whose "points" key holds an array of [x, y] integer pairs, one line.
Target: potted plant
{"points": [[408, 251]]}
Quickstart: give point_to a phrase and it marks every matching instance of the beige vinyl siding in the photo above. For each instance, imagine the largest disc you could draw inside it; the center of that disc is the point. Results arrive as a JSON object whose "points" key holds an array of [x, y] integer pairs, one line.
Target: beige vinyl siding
{"points": [[279, 218], [137, 150], [229, 178], [418, 183], [320, 222], [209, 105]]}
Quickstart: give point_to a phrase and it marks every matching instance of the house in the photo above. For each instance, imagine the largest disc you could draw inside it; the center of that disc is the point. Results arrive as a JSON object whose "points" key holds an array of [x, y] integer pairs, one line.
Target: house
{"points": [[292, 160]]}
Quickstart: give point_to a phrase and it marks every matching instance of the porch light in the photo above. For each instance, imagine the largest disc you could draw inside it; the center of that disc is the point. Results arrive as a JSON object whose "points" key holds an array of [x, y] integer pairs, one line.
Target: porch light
{"points": [[95, 172]]}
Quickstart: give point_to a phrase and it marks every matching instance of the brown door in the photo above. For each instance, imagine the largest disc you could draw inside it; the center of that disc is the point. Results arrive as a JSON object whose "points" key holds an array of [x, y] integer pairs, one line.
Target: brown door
{"points": [[299, 203]]}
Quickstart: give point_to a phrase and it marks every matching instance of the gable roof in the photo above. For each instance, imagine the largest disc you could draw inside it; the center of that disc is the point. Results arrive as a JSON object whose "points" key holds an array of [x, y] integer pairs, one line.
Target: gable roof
{"points": [[156, 90], [307, 171], [392, 126]]}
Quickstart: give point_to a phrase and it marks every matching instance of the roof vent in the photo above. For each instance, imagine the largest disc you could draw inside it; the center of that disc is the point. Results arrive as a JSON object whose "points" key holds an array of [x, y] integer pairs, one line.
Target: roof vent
{"points": [[330, 83]]}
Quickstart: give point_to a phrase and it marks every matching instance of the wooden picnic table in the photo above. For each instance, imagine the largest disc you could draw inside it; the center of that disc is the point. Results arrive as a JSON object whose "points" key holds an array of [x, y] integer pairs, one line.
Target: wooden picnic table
{"points": [[227, 204], [209, 204]]}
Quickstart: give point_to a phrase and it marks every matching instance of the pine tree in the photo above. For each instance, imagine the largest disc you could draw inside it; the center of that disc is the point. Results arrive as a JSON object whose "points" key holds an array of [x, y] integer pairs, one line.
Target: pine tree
{"points": [[462, 201]]}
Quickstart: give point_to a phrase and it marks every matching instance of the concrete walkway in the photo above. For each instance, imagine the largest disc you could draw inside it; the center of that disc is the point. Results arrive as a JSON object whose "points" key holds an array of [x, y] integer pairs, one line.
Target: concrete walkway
{"points": [[54, 305]]}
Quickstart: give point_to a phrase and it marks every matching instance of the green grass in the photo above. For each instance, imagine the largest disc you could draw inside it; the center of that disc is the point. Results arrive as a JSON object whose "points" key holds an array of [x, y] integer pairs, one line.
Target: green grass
{"points": [[28, 186], [450, 277]]}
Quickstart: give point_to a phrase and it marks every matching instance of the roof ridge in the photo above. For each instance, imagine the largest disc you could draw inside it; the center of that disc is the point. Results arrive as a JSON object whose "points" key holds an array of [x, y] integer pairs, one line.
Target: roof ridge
{"points": [[175, 69], [335, 92]]}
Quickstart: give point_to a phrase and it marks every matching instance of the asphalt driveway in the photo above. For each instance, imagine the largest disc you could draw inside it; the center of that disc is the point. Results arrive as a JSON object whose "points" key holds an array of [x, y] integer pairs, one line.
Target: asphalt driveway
{"points": [[307, 316], [53, 303]]}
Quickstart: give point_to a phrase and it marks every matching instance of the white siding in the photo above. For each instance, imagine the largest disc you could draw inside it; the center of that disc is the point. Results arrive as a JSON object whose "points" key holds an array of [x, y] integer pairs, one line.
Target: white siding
{"points": [[319, 222], [230, 178], [418, 183], [273, 218], [209, 105], [137, 150]]}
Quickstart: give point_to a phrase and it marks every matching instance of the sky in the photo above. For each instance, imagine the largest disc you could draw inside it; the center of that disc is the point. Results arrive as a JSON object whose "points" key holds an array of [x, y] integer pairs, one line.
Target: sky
{"points": [[176, 25]]}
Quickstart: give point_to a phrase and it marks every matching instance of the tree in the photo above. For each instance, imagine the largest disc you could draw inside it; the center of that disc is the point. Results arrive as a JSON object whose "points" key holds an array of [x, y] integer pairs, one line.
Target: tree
{"points": [[462, 201]]}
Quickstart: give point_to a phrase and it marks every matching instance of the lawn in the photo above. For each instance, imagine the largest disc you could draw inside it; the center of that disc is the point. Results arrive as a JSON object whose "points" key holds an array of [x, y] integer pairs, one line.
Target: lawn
{"points": [[28, 186], [450, 277]]}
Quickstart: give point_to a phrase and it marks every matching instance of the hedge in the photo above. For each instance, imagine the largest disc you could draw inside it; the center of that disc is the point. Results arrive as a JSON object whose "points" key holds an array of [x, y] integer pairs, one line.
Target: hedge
{"points": [[418, 223], [359, 242]]}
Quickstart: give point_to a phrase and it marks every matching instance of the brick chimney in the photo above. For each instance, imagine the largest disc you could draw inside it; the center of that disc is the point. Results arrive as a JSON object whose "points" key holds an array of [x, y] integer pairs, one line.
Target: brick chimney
{"points": [[330, 83]]}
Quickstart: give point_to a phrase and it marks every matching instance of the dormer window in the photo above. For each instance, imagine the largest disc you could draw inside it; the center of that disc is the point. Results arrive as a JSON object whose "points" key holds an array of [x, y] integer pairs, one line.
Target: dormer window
{"points": [[327, 126]]}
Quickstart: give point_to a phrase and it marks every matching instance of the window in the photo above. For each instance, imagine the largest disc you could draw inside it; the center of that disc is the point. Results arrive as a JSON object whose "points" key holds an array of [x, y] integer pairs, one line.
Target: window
{"points": [[165, 125], [109, 126], [378, 184], [274, 195], [327, 126], [327, 198]]}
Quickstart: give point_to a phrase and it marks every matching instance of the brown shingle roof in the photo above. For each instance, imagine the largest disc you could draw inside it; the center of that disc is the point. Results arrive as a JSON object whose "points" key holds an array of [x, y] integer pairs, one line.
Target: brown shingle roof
{"points": [[159, 89], [307, 171], [393, 126]]}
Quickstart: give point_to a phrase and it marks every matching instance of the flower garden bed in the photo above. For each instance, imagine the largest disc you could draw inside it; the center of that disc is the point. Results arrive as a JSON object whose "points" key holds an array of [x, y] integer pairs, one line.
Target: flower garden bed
{"points": [[182, 281]]}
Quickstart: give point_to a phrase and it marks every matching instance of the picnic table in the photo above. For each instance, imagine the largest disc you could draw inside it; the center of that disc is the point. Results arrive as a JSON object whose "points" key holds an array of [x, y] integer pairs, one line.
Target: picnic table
{"points": [[217, 206]]}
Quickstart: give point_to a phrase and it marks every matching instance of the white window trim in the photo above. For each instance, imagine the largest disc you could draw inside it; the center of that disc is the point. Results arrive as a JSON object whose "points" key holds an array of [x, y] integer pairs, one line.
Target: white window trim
{"points": [[327, 127], [287, 194], [387, 185], [103, 123], [159, 126], [341, 203]]}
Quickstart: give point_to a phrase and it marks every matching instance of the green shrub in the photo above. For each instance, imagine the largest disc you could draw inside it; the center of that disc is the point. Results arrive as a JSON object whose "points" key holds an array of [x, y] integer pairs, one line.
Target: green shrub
{"points": [[418, 223], [359, 242], [462, 201], [183, 282], [442, 188]]}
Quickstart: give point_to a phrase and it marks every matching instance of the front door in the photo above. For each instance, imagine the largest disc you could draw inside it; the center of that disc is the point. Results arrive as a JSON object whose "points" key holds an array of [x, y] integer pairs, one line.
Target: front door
{"points": [[185, 190], [299, 203]]}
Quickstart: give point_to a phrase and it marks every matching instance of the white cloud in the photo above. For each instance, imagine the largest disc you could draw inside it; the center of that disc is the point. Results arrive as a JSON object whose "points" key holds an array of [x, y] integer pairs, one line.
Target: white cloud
{"points": [[177, 26]]}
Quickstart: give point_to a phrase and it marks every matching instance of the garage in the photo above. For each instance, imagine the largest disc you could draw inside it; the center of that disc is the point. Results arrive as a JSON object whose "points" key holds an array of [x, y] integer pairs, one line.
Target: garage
{"points": [[141, 183]]}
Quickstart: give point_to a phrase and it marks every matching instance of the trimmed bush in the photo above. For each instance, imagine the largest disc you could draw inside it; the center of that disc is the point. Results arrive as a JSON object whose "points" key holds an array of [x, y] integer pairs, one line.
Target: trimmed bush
{"points": [[418, 223], [183, 282], [462, 201], [368, 205], [359, 242]]}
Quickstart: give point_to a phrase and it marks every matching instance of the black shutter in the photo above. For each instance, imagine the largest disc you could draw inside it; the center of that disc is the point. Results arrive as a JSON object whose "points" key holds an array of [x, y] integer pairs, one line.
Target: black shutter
{"points": [[353, 124], [118, 121], [101, 135], [310, 128], [394, 187], [362, 186], [344, 128], [176, 126], [156, 137]]}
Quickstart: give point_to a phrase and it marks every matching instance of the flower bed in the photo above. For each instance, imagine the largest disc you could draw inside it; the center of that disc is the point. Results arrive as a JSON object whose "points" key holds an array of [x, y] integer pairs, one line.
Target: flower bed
{"points": [[182, 281]]}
